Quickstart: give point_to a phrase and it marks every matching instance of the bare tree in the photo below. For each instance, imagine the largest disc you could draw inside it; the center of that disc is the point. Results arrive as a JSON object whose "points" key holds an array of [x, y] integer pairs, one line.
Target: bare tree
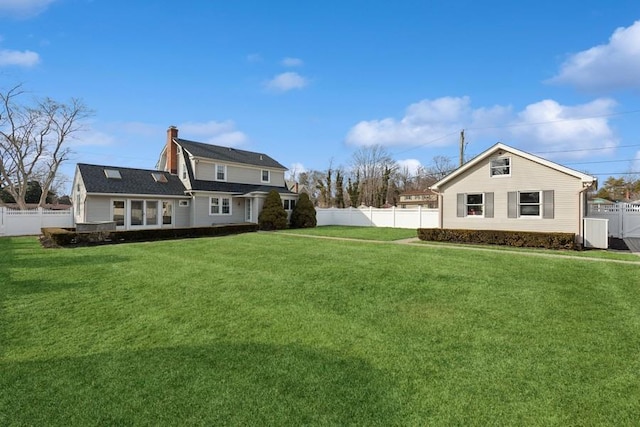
{"points": [[440, 167], [373, 165], [33, 141]]}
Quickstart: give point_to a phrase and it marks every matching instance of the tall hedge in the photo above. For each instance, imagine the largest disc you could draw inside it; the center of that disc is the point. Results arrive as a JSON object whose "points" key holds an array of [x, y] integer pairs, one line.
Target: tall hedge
{"points": [[304, 214], [273, 215]]}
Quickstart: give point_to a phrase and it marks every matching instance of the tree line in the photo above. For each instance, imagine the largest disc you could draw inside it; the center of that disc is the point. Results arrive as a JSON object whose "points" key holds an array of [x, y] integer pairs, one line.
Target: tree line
{"points": [[372, 178]]}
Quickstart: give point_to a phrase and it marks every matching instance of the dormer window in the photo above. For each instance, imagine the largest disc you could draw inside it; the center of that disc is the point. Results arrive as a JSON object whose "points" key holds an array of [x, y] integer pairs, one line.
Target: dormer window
{"points": [[159, 177], [112, 174], [501, 166]]}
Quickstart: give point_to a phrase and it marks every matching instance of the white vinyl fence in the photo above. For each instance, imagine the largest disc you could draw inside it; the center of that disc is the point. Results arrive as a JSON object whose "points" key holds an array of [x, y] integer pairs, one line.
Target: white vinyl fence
{"points": [[624, 218], [14, 222], [373, 217]]}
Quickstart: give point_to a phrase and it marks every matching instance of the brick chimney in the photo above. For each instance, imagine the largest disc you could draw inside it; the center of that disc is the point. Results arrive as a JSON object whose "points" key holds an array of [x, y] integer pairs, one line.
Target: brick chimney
{"points": [[172, 150]]}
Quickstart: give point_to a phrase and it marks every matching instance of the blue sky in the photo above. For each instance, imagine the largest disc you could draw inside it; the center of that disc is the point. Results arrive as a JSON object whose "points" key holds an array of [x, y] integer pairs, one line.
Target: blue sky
{"points": [[309, 83]]}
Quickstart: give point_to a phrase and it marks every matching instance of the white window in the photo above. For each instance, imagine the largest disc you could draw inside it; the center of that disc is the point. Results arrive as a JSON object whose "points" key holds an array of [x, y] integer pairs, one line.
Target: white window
{"points": [[501, 166], [529, 203], [183, 203], [220, 206], [221, 173], [474, 204], [266, 176], [288, 205]]}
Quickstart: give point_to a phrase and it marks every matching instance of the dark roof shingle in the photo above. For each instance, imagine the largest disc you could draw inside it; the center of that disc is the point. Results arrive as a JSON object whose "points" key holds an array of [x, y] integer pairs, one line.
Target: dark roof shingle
{"points": [[227, 154], [133, 181]]}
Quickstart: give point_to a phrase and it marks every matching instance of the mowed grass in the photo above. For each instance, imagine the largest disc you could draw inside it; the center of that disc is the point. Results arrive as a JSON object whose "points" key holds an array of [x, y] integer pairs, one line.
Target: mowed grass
{"points": [[271, 329], [351, 232]]}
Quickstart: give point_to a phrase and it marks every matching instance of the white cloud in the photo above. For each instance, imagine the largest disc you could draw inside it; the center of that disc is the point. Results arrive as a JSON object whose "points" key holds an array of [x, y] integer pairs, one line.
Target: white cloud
{"points": [[292, 62], [286, 81], [18, 58], [615, 65], [423, 122], [410, 165], [295, 169], [213, 132], [92, 137], [564, 128], [23, 8], [539, 126]]}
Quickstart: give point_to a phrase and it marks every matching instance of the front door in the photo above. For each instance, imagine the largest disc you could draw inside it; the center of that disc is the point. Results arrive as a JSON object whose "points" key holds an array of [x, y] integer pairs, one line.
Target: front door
{"points": [[247, 209]]}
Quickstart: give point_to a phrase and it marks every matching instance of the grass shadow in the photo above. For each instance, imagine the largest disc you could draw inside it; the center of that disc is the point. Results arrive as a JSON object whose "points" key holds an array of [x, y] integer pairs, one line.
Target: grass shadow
{"points": [[225, 383]]}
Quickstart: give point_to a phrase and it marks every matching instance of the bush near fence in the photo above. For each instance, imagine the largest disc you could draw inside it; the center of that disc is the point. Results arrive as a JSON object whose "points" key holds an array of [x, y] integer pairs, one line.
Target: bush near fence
{"points": [[68, 237], [527, 239]]}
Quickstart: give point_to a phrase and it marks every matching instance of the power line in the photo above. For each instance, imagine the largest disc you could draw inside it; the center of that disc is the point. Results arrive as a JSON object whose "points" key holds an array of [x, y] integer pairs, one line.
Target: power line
{"points": [[586, 149], [556, 121], [601, 161]]}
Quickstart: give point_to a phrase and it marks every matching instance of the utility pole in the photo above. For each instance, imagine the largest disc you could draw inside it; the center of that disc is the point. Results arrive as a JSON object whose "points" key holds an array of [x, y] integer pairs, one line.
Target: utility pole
{"points": [[461, 147]]}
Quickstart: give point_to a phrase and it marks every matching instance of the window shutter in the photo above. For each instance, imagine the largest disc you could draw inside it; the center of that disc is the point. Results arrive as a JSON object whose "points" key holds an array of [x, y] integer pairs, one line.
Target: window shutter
{"points": [[547, 204], [512, 204], [460, 207], [488, 205]]}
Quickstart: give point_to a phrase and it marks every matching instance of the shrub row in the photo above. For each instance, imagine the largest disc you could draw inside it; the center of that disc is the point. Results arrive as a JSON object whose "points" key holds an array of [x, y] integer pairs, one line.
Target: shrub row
{"points": [[527, 239], [69, 237]]}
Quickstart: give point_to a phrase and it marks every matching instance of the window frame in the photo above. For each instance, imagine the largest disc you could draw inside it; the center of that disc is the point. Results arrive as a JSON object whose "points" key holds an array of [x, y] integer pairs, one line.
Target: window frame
{"points": [[220, 205], [262, 172], [493, 168], [539, 204], [217, 172], [467, 205]]}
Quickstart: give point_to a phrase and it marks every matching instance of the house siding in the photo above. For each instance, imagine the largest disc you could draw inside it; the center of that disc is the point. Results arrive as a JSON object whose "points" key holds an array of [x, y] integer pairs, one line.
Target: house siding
{"points": [[526, 175], [202, 218], [206, 171], [98, 208]]}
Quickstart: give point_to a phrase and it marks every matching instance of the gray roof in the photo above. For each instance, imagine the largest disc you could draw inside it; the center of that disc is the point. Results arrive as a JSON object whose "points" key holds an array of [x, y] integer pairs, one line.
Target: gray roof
{"points": [[227, 154], [235, 188], [133, 181]]}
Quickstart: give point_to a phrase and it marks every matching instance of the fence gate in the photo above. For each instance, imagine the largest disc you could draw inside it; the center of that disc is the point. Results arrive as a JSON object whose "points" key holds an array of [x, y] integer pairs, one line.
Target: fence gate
{"points": [[624, 218]]}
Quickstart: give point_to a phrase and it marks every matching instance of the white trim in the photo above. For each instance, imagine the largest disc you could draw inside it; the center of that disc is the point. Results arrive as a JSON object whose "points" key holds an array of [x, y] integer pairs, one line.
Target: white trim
{"points": [[466, 205], [215, 171], [492, 167], [220, 205], [539, 204], [138, 196], [262, 171], [587, 179]]}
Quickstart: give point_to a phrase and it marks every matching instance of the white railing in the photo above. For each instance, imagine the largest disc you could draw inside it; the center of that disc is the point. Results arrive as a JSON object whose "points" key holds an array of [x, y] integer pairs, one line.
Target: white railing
{"points": [[14, 222], [374, 217]]}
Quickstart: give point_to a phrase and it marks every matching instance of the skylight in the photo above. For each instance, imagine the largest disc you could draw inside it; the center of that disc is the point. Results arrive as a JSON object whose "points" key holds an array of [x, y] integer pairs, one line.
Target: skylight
{"points": [[159, 177], [112, 174]]}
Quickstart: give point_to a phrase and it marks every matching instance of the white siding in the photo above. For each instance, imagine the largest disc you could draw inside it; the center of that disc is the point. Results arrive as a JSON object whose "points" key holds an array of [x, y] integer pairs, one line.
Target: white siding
{"points": [[526, 175]]}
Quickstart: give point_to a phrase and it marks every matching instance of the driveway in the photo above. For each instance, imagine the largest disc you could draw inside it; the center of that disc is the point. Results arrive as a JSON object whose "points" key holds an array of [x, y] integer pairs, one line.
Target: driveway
{"points": [[633, 243]]}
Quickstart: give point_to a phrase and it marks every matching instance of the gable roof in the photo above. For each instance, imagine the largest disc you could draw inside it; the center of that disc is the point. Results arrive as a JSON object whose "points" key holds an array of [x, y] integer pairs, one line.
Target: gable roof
{"points": [[586, 179], [228, 154], [132, 181]]}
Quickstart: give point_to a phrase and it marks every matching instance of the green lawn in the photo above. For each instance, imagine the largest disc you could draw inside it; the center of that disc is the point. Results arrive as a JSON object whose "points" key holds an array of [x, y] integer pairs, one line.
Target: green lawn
{"points": [[363, 233], [272, 329]]}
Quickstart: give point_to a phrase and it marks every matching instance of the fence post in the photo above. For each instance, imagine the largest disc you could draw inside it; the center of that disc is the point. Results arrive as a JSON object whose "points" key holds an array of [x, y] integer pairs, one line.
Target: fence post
{"points": [[419, 216]]}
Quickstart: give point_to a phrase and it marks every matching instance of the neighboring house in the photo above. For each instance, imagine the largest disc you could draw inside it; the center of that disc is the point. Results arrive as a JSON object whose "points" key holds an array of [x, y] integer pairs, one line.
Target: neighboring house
{"points": [[507, 189], [195, 184], [418, 198]]}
